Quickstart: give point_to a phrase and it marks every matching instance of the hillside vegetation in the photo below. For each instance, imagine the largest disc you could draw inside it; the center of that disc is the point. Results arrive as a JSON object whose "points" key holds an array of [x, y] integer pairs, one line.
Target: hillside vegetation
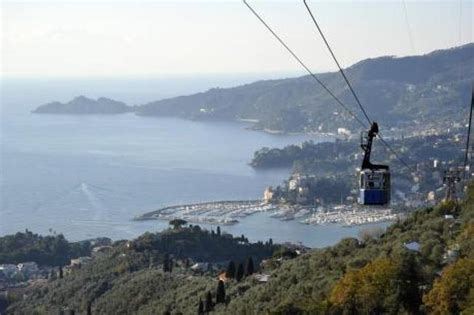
{"points": [[375, 274], [51, 250], [416, 92], [423, 89]]}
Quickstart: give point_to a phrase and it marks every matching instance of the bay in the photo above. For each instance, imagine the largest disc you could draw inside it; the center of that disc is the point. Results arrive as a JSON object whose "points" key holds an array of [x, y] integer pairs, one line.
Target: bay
{"points": [[88, 175]]}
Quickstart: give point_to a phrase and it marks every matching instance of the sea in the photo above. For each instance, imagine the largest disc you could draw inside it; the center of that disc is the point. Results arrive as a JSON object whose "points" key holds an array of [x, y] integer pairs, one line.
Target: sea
{"points": [[87, 176]]}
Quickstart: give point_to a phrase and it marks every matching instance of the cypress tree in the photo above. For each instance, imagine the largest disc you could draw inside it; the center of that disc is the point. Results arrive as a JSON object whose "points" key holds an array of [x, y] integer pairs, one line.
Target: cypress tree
{"points": [[218, 231], [60, 272], [200, 307], [220, 292], [166, 263], [230, 272], [240, 272], [208, 305], [89, 308], [249, 269]]}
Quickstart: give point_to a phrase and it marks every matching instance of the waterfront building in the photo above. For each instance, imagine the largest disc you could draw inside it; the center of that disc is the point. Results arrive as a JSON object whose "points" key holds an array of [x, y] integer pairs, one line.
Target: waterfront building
{"points": [[268, 195]]}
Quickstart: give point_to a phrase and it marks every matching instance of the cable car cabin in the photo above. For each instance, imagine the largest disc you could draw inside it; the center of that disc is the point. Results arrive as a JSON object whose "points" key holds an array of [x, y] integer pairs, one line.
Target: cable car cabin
{"points": [[374, 187], [374, 184]]}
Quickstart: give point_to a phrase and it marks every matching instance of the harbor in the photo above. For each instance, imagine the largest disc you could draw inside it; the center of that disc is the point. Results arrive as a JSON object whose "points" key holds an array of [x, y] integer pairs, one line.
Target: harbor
{"points": [[218, 212], [229, 213]]}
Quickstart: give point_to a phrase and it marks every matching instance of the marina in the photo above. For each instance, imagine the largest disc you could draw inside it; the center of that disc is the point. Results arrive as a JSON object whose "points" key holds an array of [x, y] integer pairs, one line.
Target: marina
{"points": [[219, 212], [229, 213]]}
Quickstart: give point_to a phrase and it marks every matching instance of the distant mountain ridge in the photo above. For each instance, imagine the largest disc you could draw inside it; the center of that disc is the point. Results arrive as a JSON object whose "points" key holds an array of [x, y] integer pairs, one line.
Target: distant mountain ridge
{"points": [[84, 105], [396, 91]]}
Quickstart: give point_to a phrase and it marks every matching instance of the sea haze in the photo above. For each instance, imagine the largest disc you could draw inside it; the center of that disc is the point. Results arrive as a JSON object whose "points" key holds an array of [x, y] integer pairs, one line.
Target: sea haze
{"points": [[87, 176]]}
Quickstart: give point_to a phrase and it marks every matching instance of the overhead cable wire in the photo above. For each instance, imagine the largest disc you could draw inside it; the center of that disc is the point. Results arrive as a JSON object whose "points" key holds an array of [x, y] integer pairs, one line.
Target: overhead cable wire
{"points": [[396, 154], [304, 66], [466, 155], [346, 108], [350, 86], [407, 21], [337, 63]]}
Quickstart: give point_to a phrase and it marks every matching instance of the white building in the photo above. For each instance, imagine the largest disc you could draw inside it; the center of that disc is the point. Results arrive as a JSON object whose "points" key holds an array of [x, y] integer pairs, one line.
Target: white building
{"points": [[28, 267], [200, 267]]}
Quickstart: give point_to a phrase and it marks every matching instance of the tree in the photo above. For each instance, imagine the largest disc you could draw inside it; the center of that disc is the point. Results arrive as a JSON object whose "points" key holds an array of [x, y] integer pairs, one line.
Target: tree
{"points": [[374, 289], [89, 308], [218, 231], [177, 223], [200, 307], [220, 292], [166, 263], [61, 272], [230, 272], [450, 293], [409, 292], [249, 269], [209, 304], [240, 272]]}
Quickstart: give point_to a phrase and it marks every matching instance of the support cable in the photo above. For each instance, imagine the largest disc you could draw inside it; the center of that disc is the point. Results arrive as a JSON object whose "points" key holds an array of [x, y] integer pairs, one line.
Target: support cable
{"points": [[466, 155], [305, 67], [326, 88], [351, 88], [407, 21], [337, 63]]}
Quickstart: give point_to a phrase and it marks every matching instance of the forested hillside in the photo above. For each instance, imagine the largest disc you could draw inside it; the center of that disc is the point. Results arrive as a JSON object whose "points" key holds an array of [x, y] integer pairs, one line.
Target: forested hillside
{"points": [[410, 90], [423, 264]]}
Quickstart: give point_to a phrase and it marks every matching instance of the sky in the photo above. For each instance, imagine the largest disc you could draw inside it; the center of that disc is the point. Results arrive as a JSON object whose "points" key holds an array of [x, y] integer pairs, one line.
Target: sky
{"points": [[161, 38]]}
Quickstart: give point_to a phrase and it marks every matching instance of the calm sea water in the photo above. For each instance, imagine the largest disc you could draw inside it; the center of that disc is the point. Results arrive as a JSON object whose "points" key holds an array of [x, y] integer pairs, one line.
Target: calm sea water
{"points": [[87, 176]]}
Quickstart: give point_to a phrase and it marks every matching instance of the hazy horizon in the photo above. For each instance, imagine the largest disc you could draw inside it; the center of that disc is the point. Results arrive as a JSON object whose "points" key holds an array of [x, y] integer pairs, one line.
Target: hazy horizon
{"points": [[67, 39]]}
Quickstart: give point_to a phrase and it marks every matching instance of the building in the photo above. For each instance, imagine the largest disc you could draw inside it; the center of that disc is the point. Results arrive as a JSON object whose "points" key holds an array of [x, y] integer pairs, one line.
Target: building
{"points": [[203, 267], [223, 277], [79, 262], [101, 250], [262, 277], [28, 268], [268, 195], [413, 246]]}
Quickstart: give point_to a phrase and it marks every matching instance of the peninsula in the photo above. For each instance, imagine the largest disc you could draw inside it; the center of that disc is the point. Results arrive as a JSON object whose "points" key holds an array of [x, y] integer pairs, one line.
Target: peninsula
{"points": [[83, 105]]}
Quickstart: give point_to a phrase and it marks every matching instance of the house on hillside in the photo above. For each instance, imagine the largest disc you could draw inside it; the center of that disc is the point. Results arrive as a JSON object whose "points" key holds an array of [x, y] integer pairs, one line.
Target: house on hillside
{"points": [[201, 267], [101, 250], [413, 246], [79, 262], [223, 277], [28, 268], [261, 277]]}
